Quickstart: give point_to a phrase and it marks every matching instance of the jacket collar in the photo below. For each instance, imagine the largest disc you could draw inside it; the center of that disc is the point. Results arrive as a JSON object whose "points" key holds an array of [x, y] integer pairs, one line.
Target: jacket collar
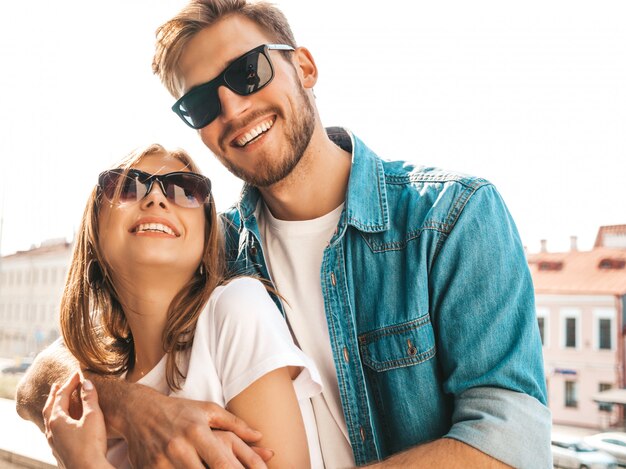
{"points": [[366, 199]]}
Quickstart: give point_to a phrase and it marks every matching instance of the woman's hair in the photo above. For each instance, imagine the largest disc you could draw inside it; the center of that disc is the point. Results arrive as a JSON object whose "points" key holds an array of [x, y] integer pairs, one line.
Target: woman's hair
{"points": [[173, 36], [93, 322]]}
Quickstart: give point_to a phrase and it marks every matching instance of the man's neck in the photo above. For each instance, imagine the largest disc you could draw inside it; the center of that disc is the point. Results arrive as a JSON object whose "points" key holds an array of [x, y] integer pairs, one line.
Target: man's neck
{"points": [[316, 186]]}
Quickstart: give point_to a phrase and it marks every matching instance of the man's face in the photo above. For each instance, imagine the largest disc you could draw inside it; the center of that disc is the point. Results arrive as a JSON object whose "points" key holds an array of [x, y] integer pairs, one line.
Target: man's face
{"points": [[260, 138]]}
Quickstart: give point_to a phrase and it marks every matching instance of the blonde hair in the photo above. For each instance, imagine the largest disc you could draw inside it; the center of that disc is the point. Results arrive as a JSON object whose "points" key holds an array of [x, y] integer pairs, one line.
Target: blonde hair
{"points": [[93, 323], [175, 34]]}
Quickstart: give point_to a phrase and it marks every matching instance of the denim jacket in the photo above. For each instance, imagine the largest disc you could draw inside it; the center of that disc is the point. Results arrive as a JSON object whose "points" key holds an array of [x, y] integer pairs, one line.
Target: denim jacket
{"points": [[430, 310]]}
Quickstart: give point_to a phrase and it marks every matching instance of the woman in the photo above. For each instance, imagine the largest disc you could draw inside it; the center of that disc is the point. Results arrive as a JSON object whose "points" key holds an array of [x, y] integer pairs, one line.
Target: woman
{"points": [[146, 298]]}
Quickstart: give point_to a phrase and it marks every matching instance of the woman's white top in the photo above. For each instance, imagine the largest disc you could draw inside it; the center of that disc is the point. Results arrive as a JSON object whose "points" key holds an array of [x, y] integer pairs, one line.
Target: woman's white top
{"points": [[240, 336]]}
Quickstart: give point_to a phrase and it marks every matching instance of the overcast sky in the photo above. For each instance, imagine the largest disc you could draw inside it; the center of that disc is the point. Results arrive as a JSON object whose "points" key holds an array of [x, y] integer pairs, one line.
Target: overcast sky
{"points": [[530, 95]]}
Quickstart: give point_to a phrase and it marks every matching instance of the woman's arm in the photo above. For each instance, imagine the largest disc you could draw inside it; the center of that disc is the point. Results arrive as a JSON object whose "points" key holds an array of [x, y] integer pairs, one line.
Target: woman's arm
{"points": [[270, 405]]}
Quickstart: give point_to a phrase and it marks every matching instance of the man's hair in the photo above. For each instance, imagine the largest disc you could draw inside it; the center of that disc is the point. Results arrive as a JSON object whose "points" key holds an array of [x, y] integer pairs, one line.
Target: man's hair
{"points": [[174, 35]]}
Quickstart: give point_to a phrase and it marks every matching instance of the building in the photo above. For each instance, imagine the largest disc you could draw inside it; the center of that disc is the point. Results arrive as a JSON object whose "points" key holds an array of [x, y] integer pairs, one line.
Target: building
{"points": [[581, 302], [31, 285]]}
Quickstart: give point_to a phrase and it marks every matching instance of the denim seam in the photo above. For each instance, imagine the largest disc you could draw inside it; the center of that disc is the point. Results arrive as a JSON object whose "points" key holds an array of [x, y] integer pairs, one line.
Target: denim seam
{"points": [[455, 213], [359, 387], [400, 245], [341, 378], [396, 328], [398, 362], [380, 404]]}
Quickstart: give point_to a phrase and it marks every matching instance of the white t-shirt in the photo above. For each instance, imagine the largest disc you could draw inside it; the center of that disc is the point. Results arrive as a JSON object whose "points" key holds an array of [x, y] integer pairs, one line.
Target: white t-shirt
{"points": [[240, 336], [293, 252]]}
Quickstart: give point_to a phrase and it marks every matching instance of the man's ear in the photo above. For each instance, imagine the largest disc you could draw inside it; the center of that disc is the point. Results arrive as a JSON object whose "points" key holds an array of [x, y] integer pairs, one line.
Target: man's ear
{"points": [[307, 70]]}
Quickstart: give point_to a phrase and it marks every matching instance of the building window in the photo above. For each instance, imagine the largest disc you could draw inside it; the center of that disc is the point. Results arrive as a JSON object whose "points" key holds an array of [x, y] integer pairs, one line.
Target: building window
{"points": [[604, 328], [604, 334], [571, 398], [570, 332], [543, 323], [604, 406]]}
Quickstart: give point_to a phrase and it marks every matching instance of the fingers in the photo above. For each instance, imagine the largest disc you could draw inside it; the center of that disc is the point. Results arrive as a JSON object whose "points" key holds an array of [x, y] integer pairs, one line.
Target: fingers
{"points": [[221, 418], [225, 449], [89, 396], [265, 453], [64, 392], [251, 457]]}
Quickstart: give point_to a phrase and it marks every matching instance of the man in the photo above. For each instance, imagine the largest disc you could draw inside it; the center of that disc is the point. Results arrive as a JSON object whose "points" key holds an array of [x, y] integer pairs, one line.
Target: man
{"points": [[408, 286]]}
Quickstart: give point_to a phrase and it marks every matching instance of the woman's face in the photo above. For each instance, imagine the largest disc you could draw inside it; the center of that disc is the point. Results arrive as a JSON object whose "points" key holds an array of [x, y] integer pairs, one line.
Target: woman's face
{"points": [[153, 232]]}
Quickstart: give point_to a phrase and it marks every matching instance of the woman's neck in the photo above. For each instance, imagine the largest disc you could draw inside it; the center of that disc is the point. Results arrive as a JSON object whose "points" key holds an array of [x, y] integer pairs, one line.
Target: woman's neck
{"points": [[146, 301]]}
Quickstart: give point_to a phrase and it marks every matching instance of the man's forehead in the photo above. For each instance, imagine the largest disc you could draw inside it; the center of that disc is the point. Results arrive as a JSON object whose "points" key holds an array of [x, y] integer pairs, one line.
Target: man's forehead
{"points": [[212, 49]]}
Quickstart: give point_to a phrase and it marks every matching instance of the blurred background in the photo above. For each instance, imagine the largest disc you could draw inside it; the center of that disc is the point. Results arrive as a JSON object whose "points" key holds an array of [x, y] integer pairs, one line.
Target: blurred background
{"points": [[530, 95]]}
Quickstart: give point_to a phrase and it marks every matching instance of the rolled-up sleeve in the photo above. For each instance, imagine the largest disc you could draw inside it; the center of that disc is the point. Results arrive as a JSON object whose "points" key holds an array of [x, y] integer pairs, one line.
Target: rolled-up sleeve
{"points": [[510, 426], [488, 340]]}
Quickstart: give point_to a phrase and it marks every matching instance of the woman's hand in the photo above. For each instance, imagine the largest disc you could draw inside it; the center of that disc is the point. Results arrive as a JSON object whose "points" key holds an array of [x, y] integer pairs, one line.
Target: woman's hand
{"points": [[76, 443]]}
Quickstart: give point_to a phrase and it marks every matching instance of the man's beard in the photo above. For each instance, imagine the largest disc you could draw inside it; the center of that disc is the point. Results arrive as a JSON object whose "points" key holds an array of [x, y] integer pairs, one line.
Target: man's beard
{"points": [[275, 169]]}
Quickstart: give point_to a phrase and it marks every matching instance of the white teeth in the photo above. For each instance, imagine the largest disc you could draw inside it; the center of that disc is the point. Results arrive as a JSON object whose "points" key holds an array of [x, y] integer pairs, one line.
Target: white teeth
{"points": [[155, 227], [255, 132]]}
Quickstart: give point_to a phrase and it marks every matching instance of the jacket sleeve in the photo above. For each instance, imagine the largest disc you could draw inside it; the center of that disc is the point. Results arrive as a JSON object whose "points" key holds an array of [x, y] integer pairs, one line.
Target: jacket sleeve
{"points": [[483, 311]]}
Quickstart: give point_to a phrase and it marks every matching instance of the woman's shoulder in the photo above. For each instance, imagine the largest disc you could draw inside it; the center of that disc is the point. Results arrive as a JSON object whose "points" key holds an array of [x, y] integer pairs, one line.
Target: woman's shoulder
{"points": [[241, 290], [243, 297]]}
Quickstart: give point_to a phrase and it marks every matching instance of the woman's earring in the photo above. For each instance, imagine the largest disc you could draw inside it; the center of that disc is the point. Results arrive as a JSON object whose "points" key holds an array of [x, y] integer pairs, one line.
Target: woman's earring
{"points": [[201, 270], [95, 278]]}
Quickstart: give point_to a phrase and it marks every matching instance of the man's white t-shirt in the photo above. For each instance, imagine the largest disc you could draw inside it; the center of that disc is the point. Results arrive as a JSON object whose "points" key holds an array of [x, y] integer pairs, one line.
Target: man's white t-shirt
{"points": [[293, 252], [240, 336]]}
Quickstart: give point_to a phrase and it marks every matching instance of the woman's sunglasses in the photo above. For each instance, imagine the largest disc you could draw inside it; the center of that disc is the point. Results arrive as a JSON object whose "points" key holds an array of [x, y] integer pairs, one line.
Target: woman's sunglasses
{"points": [[246, 75], [184, 189]]}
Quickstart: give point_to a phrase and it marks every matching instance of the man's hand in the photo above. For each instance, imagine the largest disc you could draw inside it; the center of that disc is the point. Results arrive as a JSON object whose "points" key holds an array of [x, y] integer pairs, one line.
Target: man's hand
{"points": [[166, 432]]}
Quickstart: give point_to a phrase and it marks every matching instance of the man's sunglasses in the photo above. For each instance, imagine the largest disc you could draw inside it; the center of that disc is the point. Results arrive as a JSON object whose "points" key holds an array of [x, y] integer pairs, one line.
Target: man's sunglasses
{"points": [[184, 189], [246, 75]]}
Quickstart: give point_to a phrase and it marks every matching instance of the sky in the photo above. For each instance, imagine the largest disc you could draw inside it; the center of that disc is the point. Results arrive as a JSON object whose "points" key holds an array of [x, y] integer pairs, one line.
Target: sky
{"points": [[529, 95]]}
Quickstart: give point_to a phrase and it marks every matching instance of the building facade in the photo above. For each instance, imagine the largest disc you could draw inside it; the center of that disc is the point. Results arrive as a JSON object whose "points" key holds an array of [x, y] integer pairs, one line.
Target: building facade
{"points": [[580, 299], [31, 285]]}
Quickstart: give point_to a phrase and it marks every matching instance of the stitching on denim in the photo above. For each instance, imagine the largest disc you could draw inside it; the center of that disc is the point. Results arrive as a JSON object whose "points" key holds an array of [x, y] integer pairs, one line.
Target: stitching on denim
{"points": [[341, 376], [374, 379], [454, 214], [468, 181], [360, 385], [398, 362], [376, 334], [411, 235]]}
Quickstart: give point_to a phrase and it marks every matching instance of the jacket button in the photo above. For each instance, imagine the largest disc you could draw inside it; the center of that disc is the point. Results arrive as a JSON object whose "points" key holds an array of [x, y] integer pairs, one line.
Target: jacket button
{"points": [[412, 350], [362, 431], [253, 250], [346, 357], [332, 279]]}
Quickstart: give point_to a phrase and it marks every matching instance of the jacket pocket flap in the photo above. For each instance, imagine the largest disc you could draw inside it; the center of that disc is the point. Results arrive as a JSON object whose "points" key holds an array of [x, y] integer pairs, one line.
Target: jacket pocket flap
{"points": [[397, 346]]}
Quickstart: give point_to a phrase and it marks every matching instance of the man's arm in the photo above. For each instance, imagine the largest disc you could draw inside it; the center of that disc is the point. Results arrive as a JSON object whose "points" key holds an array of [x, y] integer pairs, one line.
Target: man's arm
{"points": [[445, 452], [54, 364], [482, 309], [157, 428]]}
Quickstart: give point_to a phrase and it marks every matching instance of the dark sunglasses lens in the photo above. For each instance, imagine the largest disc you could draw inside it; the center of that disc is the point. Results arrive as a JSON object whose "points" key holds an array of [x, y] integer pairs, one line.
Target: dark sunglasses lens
{"points": [[249, 73], [187, 190], [200, 106], [131, 189]]}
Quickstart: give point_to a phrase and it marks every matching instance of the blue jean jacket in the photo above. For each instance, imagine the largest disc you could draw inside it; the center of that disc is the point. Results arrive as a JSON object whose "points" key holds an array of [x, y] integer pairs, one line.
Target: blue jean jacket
{"points": [[430, 309]]}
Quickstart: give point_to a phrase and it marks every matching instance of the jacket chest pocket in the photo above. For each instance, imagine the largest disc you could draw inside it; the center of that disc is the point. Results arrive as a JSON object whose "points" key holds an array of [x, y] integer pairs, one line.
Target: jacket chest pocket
{"points": [[398, 346]]}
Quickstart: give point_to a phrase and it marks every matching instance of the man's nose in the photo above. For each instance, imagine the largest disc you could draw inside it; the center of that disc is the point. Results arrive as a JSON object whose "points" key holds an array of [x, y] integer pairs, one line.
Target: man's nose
{"points": [[233, 105]]}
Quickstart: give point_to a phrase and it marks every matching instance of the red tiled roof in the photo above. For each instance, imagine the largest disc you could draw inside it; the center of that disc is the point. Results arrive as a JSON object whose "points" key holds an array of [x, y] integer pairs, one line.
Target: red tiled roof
{"points": [[579, 271], [619, 230]]}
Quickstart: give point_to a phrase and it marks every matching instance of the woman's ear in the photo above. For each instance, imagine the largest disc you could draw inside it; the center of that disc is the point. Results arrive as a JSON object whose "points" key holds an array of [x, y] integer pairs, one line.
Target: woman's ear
{"points": [[307, 70]]}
